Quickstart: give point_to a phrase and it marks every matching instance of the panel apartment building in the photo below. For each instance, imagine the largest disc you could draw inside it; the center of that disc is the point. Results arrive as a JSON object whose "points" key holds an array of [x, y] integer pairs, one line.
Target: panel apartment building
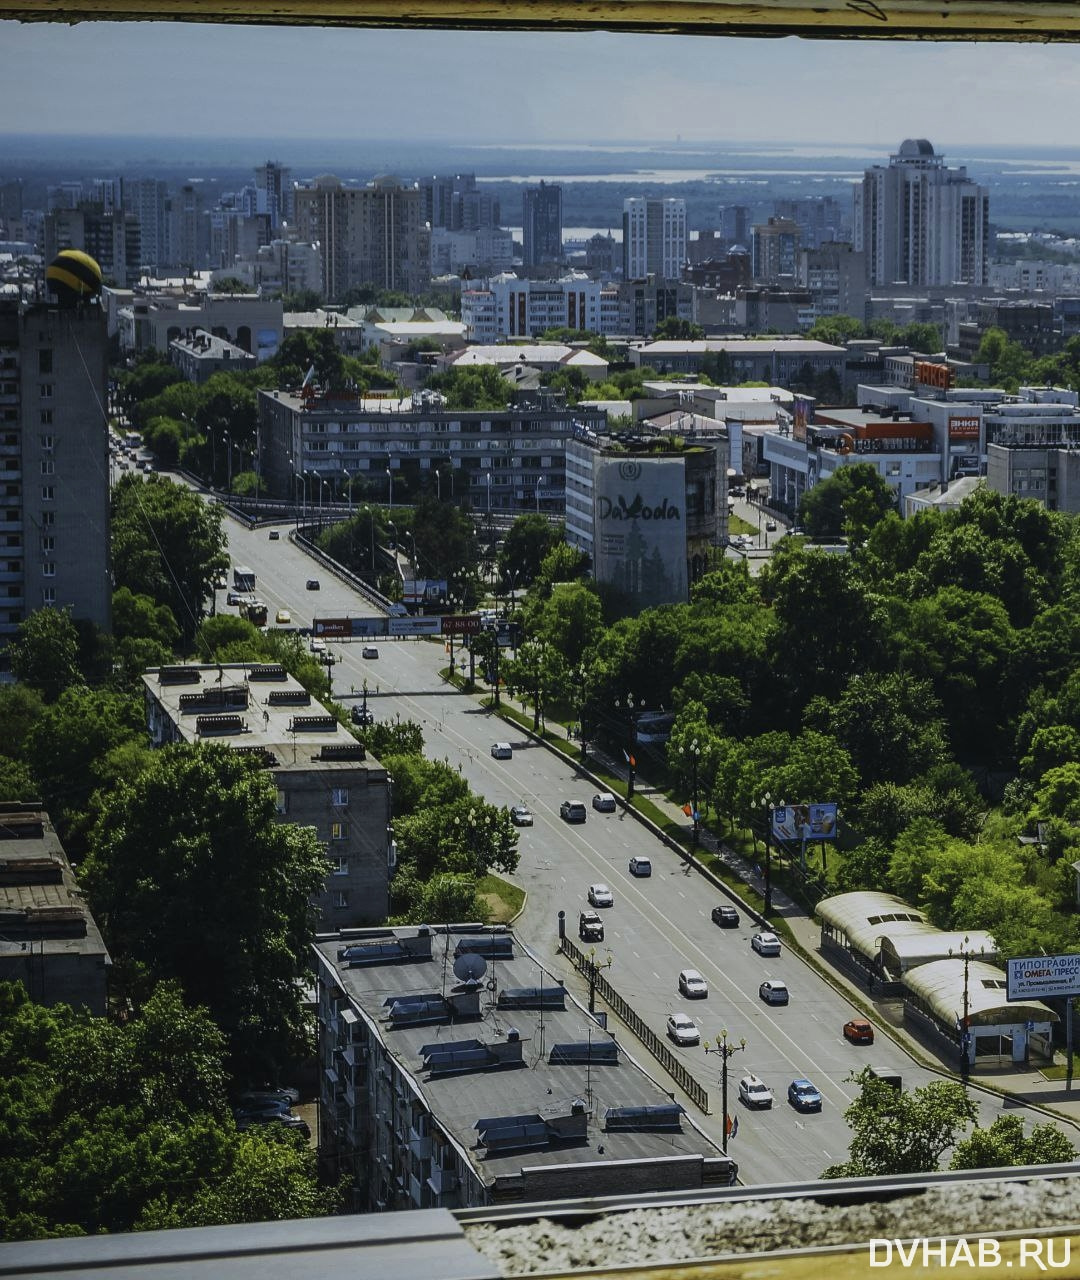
{"points": [[324, 777], [54, 463], [498, 459]]}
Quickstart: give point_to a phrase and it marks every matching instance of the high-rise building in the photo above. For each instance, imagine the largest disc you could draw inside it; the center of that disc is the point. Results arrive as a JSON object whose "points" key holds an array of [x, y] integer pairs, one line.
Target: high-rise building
{"points": [[921, 223], [54, 463], [776, 250], [109, 236], [541, 225], [369, 235], [190, 230], [821, 218], [274, 193], [654, 238], [147, 199], [456, 203], [735, 224]]}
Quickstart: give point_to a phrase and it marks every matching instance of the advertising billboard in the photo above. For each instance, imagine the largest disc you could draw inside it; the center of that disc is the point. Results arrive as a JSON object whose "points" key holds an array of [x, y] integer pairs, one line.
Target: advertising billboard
{"points": [[418, 591], [462, 624], [639, 521], [1041, 977], [964, 428], [430, 626], [930, 374], [348, 628], [804, 822]]}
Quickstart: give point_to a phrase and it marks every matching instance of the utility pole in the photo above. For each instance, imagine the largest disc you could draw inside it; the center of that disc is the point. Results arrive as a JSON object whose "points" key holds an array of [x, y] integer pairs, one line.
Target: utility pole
{"points": [[726, 1050]]}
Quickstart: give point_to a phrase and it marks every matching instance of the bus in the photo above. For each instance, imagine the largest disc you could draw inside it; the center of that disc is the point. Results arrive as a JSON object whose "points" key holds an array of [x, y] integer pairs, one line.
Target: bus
{"points": [[254, 611], [132, 440], [243, 578]]}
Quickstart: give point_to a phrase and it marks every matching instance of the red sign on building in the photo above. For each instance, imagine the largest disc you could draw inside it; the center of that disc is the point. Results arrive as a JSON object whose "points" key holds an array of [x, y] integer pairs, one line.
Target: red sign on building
{"points": [[963, 428]]}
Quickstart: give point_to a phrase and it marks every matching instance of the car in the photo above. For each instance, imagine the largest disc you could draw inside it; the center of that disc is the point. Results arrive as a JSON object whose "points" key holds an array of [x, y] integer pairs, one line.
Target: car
{"points": [[590, 927], [683, 1029], [770, 526], [369, 651], [502, 751], [220, 582], [755, 1092], [600, 895], [640, 867], [147, 467], [725, 917], [572, 811], [766, 944], [521, 815], [804, 1095], [603, 802], [692, 985], [274, 535], [265, 1091], [234, 597], [123, 465], [283, 616], [362, 716], [317, 645], [773, 992], [284, 1118], [256, 1108], [858, 1031], [312, 584]]}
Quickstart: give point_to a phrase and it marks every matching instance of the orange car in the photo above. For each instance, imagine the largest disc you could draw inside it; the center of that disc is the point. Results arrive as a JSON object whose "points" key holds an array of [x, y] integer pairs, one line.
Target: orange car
{"points": [[859, 1031]]}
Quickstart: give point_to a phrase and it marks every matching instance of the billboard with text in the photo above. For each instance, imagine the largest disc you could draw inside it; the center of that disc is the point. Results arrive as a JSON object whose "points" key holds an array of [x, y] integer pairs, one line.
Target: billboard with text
{"points": [[804, 822], [1042, 977], [640, 529]]}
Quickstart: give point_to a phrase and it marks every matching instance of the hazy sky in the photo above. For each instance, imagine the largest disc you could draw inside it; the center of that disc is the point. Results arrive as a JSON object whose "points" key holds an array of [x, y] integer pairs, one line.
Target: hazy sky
{"points": [[197, 80]]}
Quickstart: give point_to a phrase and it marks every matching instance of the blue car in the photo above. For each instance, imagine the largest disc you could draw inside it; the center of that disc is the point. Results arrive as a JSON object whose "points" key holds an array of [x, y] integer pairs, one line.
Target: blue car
{"points": [[804, 1096]]}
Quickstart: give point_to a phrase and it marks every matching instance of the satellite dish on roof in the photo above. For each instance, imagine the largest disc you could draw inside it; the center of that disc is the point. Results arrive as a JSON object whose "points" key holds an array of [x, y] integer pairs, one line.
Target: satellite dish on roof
{"points": [[469, 967]]}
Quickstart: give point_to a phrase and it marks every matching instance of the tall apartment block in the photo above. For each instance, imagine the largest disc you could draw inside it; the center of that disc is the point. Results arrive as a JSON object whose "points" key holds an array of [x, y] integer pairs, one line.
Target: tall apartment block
{"points": [[541, 225], [323, 776], [54, 463], [369, 235], [654, 238], [274, 193], [921, 223], [109, 235], [776, 247], [456, 203], [148, 200]]}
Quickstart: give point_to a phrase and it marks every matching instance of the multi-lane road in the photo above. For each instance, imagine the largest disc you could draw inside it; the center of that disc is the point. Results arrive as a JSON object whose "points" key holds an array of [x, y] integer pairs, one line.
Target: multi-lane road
{"points": [[657, 926]]}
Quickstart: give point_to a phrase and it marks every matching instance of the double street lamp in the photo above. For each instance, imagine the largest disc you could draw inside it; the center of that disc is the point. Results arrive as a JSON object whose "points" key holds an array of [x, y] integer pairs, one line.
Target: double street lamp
{"points": [[726, 1049], [631, 708], [769, 808], [966, 953], [693, 754]]}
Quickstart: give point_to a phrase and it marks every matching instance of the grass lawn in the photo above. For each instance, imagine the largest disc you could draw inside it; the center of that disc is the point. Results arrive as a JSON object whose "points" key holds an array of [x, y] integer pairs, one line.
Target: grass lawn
{"points": [[501, 900], [736, 524]]}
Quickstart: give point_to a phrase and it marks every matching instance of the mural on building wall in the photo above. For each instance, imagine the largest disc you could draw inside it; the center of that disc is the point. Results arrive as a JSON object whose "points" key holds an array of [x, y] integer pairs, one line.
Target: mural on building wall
{"points": [[640, 547]]}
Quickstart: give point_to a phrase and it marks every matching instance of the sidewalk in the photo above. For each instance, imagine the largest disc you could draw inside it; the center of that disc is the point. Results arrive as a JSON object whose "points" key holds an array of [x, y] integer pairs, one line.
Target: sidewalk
{"points": [[1017, 1084]]}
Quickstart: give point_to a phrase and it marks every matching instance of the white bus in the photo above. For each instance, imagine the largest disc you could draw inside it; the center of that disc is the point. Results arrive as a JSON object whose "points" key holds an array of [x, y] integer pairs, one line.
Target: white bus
{"points": [[243, 578]]}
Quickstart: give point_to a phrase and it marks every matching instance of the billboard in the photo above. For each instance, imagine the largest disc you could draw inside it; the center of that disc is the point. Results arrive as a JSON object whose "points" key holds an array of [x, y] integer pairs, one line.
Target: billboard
{"points": [[418, 591], [462, 624], [639, 529], [804, 822], [928, 373], [1042, 977], [964, 428], [348, 628]]}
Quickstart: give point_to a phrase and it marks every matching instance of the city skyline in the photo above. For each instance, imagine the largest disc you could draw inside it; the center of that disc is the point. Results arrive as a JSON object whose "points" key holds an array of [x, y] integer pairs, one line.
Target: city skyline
{"points": [[537, 87]]}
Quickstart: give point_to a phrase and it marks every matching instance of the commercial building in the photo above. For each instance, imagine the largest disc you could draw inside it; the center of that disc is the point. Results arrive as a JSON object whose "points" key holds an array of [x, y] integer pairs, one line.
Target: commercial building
{"points": [[541, 226], [54, 463], [494, 459], [153, 317], [49, 941], [654, 238], [648, 507], [455, 1071], [324, 777], [921, 223], [777, 361]]}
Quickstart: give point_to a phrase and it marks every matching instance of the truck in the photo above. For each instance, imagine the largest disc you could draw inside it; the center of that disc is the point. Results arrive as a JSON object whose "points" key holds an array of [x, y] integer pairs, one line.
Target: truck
{"points": [[243, 578], [590, 927], [254, 611]]}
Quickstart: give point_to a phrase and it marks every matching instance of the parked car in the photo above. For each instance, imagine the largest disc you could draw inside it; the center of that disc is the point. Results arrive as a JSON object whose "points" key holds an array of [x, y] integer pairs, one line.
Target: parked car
{"points": [[683, 1029], [317, 644], [858, 1031], [234, 597], [274, 535], [725, 917], [362, 716], [692, 985], [755, 1092], [521, 815], [572, 811], [283, 616], [766, 944], [369, 651], [603, 802], [770, 526], [590, 927], [502, 751], [147, 467], [773, 992], [271, 1091], [313, 584], [804, 1096], [284, 1118], [640, 867], [600, 895]]}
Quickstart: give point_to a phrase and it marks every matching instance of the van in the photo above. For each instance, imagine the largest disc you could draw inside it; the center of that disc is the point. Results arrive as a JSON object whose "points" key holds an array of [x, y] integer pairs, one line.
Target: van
{"points": [[887, 1076]]}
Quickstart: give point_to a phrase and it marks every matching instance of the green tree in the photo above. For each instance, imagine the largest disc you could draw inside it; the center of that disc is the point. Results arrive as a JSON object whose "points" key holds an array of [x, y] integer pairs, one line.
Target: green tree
{"points": [[45, 651], [527, 542], [895, 1131], [849, 503], [141, 618], [1005, 1143], [193, 879], [673, 329], [16, 780], [836, 329], [477, 387], [1010, 364], [569, 621]]}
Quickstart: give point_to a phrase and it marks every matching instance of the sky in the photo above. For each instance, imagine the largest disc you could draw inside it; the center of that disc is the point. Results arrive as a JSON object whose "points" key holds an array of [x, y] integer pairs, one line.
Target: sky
{"points": [[170, 79]]}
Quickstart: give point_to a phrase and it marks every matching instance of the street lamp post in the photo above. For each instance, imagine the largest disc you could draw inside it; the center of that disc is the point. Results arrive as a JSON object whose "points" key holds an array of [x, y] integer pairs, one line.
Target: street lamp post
{"points": [[348, 489], [540, 481], [965, 953], [726, 1050], [594, 973], [228, 462], [769, 807], [632, 707], [390, 477], [581, 676], [694, 752]]}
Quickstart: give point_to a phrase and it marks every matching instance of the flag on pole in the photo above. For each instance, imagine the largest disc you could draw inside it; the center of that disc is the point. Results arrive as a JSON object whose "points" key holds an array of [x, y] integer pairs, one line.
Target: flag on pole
{"points": [[309, 377], [688, 810], [731, 1125]]}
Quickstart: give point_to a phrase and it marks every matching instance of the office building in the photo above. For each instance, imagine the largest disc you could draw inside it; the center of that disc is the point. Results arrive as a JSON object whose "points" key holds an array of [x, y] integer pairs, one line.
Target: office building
{"points": [[274, 194], [324, 777], [455, 1071], [775, 253], [654, 238], [373, 235], [54, 463], [778, 361], [541, 226], [50, 941], [199, 355], [921, 223], [835, 275]]}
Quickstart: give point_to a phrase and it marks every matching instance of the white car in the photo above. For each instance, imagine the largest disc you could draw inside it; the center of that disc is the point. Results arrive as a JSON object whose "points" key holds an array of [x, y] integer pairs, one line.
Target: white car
{"points": [[693, 985], [502, 751], [317, 645], [601, 896], [603, 802], [755, 1092], [683, 1029], [773, 992], [640, 867], [766, 944]]}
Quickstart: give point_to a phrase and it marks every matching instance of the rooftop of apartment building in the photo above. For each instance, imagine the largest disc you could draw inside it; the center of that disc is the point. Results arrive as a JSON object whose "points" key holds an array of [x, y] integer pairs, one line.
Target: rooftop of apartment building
{"points": [[748, 346], [528, 353], [201, 345], [41, 905], [707, 391], [506, 1060], [320, 318], [256, 707], [666, 437]]}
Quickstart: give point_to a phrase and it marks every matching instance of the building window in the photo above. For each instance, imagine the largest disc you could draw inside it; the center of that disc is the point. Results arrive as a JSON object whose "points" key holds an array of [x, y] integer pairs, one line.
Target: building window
{"points": [[46, 418], [44, 357], [48, 568], [338, 831], [339, 797], [46, 391], [47, 493], [341, 899], [48, 519], [48, 467], [48, 544], [48, 596], [281, 804], [47, 441], [339, 866]]}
